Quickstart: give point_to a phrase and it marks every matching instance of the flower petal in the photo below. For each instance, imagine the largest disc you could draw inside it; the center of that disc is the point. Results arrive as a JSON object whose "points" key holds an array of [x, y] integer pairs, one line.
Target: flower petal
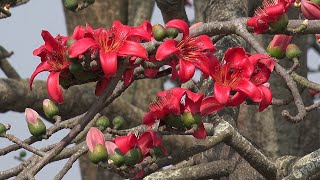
{"points": [[145, 142], [110, 146], [43, 66], [125, 143], [94, 137], [237, 99], [130, 48], [81, 46], [210, 105], [166, 49], [109, 63], [205, 43], [179, 24], [249, 89], [234, 56], [50, 42], [266, 97], [31, 115], [222, 93], [310, 10], [200, 133], [53, 86], [186, 71]]}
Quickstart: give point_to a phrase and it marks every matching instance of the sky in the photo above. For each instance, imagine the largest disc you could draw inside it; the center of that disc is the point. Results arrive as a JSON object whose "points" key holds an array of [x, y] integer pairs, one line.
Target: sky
{"points": [[21, 33]]}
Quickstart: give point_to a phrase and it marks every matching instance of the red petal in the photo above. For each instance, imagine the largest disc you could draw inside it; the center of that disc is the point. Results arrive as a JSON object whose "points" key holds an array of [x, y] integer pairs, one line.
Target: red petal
{"points": [[101, 86], [78, 32], [110, 146], [200, 133], [275, 10], [210, 105], [128, 76], [149, 119], [125, 143], [266, 97], [193, 101], [109, 63], [43, 66], [166, 49], [94, 137], [310, 10], [249, 89], [145, 142], [81, 46], [205, 43], [234, 56], [221, 93], [237, 99], [50, 42], [53, 86], [143, 32], [179, 24], [130, 48], [186, 71]]}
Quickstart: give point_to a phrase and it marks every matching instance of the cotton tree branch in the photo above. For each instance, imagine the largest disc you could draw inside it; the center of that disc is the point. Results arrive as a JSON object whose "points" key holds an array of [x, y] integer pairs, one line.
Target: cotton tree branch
{"points": [[5, 66], [26, 146], [213, 169]]}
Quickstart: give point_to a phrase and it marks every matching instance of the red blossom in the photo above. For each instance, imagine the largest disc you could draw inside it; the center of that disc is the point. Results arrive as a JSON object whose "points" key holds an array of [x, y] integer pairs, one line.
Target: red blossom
{"points": [[310, 10], [190, 51], [53, 59], [125, 143], [94, 137]]}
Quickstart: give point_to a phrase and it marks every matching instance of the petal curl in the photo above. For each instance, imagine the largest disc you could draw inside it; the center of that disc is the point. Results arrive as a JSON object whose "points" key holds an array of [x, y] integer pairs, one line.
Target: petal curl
{"points": [[53, 86], [43, 66], [81, 46], [179, 24], [166, 49], [109, 63]]}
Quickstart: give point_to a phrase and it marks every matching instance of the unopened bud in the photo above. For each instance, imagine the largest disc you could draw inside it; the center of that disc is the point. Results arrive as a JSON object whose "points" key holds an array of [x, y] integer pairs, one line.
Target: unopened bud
{"points": [[99, 154], [133, 156], [35, 125], [278, 45], [159, 32], [3, 129], [118, 122], [22, 154], [117, 158], [103, 122], [172, 32], [317, 2], [70, 4], [293, 51], [174, 121], [190, 119], [70, 41], [50, 109], [281, 24]]}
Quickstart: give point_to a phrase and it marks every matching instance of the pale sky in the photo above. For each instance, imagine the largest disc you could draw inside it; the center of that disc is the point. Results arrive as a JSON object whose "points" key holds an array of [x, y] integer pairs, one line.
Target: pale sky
{"points": [[21, 34]]}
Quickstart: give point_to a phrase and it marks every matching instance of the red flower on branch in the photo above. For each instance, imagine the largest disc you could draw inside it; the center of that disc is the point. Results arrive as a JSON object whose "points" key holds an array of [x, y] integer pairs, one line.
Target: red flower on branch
{"points": [[310, 10], [270, 11], [190, 51], [53, 59], [174, 106]]}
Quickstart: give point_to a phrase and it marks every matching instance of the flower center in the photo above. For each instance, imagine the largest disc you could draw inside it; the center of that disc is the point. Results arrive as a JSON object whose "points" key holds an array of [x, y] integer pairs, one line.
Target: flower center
{"points": [[111, 40], [58, 59], [161, 101], [227, 76], [189, 49]]}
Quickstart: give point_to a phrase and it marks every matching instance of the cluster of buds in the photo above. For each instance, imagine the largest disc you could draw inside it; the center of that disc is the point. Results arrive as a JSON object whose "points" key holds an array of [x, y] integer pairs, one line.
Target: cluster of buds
{"points": [[280, 47], [72, 5], [123, 151], [103, 122]]}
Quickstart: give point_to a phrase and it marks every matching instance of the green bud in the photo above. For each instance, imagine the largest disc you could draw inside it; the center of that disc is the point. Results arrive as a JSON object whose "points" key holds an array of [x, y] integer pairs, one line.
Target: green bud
{"points": [[90, 1], [99, 154], [172, 32], [102, 123], [317, 2], [75, 68], [276, 52], [70, 41], [50, 109], [132, 157], [117, 158], [70, 4], [38, 128], [159, 32], [73, 60], [3, 129], [118, 122], [281, 24], [190, 119], [22, 153], [293, 51], [174, 121]]}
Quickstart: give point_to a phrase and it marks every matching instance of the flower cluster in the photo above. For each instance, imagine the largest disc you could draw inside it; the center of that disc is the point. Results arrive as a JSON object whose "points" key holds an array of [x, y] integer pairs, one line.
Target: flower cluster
{"points": [[124, 150]]}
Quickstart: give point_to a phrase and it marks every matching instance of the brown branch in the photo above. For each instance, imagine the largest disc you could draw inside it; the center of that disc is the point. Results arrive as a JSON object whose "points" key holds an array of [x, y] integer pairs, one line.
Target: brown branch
{"points": [[26, 146], [5, 66]]}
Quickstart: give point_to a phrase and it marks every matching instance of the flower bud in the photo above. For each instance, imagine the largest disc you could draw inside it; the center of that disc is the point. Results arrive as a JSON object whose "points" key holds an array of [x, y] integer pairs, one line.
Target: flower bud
{"points": [[35, 124], [22, 154], [99, 154], [75, 68], [278, 45], [174, 121], [293, 51], [117, 157], [172, 32], [190, 119], [70, 4], [317, 2], [133, 156], [118, 122], [102, 123], [281, 24], [74, 60], [50, 109], [3, 129], [70, 41], [159, 32]]}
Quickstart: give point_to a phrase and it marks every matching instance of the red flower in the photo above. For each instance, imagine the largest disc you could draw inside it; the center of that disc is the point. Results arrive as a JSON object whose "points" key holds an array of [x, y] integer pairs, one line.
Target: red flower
{"points": [[125, 143], [190, 51], [278, 45], [148, 140], [117, 41], [53, 59], [270, 11], [310, 10], [175, 102], [94, 137]]}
